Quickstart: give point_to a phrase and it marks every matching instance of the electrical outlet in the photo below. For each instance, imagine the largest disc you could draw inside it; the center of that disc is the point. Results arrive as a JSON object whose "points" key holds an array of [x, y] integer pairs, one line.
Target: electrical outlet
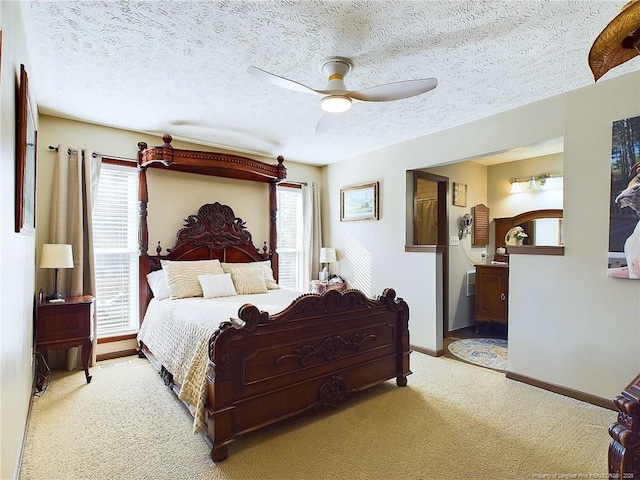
{"points": [[454, 240]]}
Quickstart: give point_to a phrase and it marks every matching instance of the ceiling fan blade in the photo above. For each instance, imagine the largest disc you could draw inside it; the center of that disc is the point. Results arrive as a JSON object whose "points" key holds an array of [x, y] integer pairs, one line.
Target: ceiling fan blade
{"points": [[394, 91], [330, 121], [279, 81]]}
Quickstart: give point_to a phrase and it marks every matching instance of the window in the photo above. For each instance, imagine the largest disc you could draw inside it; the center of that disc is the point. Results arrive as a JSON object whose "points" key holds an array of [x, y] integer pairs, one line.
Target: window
{"points": [[290, 237], [115, 234]]}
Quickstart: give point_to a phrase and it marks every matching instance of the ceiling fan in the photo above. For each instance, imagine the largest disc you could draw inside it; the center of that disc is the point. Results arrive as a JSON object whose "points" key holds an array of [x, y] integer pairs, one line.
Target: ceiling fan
{"points": [[336, 98]]}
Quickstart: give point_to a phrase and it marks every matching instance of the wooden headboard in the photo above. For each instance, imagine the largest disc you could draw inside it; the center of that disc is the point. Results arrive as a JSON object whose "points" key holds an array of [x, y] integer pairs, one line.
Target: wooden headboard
{"points": [[215, 231]]}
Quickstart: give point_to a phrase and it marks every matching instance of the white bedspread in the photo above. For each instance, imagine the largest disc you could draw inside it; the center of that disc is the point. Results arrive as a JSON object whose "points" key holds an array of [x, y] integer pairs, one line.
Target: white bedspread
{"points": [[178, 331]]}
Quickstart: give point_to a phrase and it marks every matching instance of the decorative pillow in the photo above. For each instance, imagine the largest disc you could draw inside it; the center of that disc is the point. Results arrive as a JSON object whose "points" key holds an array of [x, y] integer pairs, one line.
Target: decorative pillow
{"points": [[266, 266], [182, 277], [249, 280], [214, 286], [158, 284]]}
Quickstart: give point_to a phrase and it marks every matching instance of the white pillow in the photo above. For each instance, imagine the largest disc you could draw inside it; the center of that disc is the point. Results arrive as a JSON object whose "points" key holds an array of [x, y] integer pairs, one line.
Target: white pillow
{"points": [[182, 277], [249, 280], [158, 284], [214, 286], [265, 266]]}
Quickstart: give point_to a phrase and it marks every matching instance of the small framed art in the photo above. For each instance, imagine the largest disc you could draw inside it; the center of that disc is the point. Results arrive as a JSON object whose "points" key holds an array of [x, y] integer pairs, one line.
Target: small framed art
{"points": [[359, 202], [459, 194], [25, 201]]}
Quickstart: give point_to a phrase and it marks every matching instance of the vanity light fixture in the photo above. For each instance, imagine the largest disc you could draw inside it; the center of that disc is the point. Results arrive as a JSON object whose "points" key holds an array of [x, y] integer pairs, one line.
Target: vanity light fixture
{"points": [[515, 187], [546, 181]]}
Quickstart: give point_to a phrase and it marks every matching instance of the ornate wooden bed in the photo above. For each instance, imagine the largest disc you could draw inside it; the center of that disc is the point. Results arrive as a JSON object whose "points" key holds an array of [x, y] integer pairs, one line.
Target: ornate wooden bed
{"points": [[624, 449], [265, 368]]}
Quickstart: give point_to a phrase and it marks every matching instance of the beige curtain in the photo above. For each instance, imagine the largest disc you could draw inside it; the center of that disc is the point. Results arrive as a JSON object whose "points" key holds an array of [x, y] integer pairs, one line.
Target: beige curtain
{"points": [[427, 222], [75, 182], [312, 233]]}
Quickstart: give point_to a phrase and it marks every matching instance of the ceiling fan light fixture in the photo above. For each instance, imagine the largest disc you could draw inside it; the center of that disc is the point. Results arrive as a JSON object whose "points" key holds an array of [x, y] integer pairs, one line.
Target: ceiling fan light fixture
{"points": [[335, 103]]}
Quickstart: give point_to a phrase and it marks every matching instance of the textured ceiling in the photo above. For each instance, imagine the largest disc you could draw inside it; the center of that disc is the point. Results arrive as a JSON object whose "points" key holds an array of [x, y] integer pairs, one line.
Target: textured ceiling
{"points": [[181, 67]]}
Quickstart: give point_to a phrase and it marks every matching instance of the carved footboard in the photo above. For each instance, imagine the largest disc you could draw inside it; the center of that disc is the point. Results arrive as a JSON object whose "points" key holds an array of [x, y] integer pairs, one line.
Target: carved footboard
{"points": [[317, 353], [624, 450]]}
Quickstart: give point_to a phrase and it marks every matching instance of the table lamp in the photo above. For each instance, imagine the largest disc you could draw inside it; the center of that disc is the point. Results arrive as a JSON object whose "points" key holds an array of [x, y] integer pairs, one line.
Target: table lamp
{"points": [[327, 255], [56, 256]]}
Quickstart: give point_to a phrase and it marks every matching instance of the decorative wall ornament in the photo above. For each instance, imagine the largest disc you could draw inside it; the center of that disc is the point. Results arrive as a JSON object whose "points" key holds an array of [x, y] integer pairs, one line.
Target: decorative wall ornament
{"points": [[460, 194]]}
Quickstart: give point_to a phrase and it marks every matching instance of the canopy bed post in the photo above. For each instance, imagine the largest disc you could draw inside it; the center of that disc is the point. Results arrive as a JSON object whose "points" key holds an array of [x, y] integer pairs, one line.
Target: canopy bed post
{"points": [[273, 229], [143, 200], [143, 235]]}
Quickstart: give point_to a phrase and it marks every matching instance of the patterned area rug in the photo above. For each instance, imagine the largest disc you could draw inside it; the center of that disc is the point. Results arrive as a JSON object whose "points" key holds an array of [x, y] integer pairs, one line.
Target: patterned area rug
{"points": [[486, 352]]}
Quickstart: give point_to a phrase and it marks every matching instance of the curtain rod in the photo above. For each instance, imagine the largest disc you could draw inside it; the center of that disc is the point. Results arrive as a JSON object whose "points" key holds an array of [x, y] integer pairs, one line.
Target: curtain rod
{"points": [[95, 154]]}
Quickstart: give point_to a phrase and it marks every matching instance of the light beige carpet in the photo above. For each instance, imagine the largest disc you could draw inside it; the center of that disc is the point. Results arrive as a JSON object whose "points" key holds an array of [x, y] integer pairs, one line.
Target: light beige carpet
{"points": [[452, 421]]}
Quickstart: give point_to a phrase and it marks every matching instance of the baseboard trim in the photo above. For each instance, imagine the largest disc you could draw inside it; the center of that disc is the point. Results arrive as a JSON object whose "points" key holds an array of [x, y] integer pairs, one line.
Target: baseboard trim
{"points": [[112, 355], [427, 351], [567, 392], [26, 425], [461, 330]]}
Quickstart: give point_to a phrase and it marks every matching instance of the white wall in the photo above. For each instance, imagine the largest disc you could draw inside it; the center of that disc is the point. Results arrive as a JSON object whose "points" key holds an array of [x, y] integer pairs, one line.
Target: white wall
{"points": [[17, 262], [570, 325]]}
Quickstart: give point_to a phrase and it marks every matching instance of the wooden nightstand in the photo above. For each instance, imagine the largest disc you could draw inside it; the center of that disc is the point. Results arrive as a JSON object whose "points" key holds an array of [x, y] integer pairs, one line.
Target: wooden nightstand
{"points": [[319, 287], [65, 325]]}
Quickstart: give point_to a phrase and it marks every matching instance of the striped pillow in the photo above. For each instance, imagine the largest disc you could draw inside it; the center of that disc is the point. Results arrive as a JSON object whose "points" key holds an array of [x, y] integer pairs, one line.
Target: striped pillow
{"points": [[182, 277], [249, 280], [265, 266]]}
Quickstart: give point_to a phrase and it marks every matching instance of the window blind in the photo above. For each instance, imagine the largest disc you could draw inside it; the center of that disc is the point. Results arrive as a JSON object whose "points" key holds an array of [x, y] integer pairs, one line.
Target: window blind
{"points": [[290, 237], [115, 232]]}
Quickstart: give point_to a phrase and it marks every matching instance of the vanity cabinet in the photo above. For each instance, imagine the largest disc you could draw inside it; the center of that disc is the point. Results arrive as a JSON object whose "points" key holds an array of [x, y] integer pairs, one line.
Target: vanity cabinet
{"points": [[492, 294]]}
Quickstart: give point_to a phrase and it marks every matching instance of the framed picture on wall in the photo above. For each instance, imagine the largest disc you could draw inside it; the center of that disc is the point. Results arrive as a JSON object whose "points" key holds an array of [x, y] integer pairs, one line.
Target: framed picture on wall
{"points": [[624, 200], [25, 201], [359, 202], [459, 194]]}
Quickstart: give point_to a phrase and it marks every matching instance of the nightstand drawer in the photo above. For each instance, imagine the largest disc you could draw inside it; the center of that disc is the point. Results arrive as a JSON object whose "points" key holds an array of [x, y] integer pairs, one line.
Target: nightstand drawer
{"points": [[55, 325], [68, 321]]}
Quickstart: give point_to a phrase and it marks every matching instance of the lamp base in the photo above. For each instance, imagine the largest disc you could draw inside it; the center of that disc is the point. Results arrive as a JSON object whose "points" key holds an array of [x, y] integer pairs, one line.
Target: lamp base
{"points": [[55, 297]]}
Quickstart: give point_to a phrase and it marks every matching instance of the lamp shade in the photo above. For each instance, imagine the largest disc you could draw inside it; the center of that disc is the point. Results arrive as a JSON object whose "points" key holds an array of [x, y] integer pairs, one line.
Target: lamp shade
{"points": [[328, 255], [56, 255], [515, 187]]}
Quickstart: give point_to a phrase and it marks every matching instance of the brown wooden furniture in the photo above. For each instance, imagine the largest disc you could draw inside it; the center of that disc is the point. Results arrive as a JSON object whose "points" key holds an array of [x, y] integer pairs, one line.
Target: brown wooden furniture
{"points": [[492, 294], [65, 325], [316, 353], [319, 287], [624, 449]]}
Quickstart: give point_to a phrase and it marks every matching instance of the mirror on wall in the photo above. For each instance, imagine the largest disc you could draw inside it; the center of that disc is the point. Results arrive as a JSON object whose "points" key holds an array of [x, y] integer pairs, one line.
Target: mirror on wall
{"points": [[542, 228]]}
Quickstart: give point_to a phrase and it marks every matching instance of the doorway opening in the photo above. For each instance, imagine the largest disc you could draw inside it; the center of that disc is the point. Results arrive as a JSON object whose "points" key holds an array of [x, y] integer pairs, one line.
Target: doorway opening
{"points": [[430, 225]]}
